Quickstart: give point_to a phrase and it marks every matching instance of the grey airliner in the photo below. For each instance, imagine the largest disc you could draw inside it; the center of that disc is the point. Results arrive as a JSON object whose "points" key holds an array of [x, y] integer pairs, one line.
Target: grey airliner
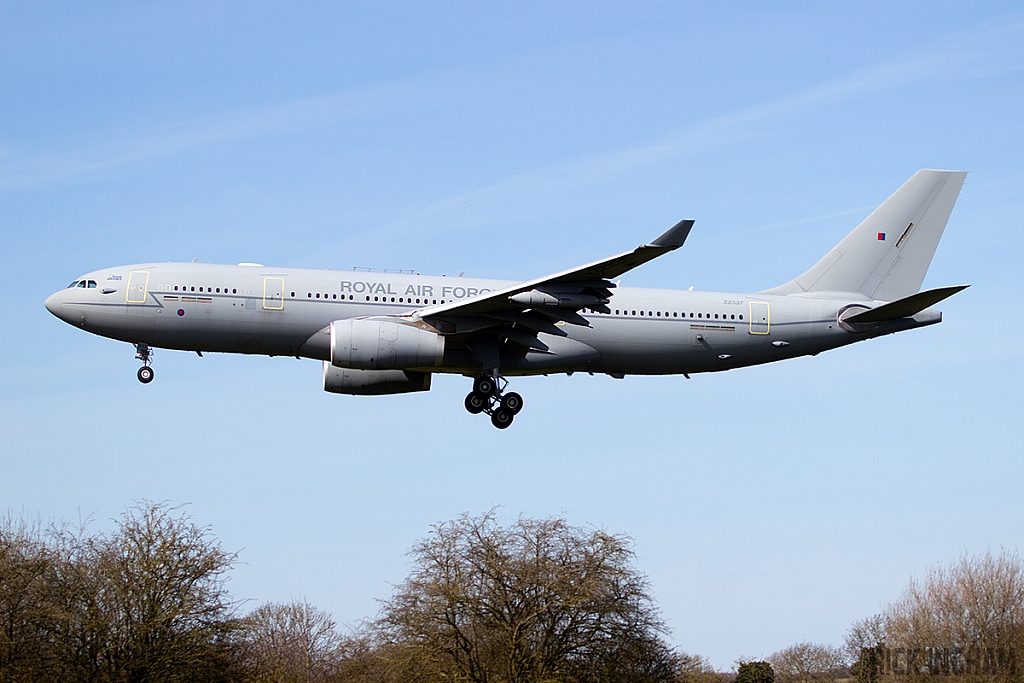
{"points": [[388, 332]]}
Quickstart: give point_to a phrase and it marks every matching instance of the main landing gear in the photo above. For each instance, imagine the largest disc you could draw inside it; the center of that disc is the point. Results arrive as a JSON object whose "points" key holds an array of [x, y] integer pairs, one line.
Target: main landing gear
{"points": [[145, 354], [488, 397]]}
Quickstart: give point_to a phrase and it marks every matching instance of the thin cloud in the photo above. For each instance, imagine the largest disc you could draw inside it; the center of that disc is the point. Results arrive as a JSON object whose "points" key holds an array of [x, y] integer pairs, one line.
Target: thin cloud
{"points": [[386, 97], [989, 49]]}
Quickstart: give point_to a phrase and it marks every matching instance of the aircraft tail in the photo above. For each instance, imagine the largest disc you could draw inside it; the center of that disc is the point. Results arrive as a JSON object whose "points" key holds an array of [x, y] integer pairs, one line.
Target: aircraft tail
{"points": [[886, 257]]}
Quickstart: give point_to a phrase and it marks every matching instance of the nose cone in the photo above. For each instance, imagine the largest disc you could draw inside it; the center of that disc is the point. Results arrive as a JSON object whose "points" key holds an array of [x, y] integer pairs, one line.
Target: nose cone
{"points": [[53, 303]]}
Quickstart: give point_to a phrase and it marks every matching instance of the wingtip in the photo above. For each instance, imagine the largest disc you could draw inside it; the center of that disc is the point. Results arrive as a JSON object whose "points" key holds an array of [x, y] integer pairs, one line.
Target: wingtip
{"points": [[674, 237]]}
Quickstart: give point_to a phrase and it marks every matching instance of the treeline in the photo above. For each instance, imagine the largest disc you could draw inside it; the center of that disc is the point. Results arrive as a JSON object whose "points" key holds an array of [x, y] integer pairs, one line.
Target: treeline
{"points": [[963, 622], [537, 601]]}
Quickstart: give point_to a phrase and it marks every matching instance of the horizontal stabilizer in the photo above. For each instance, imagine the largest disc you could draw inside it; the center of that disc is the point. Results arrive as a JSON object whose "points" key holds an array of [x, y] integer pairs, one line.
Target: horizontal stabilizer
{"points": [[907, 307]]}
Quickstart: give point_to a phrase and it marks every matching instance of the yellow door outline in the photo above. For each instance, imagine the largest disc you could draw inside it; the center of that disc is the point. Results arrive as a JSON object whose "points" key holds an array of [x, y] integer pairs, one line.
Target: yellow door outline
{"points": [[275, 300], [759, 309], [133, 282]]}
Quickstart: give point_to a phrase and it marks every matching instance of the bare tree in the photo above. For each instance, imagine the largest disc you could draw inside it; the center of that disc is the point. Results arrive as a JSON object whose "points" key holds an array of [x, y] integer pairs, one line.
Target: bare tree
{"points": [[537, 600], [26, 568], [695, 669], [292, 642], [963, 620], [144, 603], [163, 597], [808, 663]]}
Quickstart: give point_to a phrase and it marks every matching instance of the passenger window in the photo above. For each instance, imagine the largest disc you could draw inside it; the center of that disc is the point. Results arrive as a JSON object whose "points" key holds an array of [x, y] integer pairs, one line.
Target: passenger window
{"points": [[334, 296], [698, 315], [675, 315], [659, 314], [741, 317], [309, 295]]}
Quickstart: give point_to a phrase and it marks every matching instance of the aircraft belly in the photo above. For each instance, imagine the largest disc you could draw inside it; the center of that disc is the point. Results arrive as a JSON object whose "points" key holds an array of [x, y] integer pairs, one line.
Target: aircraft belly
{"points": [[655, 347], [563, 354]]}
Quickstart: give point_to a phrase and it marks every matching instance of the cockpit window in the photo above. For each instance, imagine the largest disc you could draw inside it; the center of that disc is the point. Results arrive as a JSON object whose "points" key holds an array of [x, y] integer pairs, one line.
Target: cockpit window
{"points": [[73, 284], [92, 284], [81, 283]]}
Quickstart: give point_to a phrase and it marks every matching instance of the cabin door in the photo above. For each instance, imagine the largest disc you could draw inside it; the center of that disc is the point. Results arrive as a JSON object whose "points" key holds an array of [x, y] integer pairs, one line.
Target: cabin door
{"points": [[138, 282], [273, 293], [760, 317]]}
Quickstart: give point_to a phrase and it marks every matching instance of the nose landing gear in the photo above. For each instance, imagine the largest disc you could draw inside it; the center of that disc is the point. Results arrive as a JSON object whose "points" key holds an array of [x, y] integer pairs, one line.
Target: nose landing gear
{"points": [[145, 354], [488, 397]]}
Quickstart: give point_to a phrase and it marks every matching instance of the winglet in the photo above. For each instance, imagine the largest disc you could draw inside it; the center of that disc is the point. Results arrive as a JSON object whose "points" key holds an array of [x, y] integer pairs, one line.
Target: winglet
{"points": [[674, 237]]}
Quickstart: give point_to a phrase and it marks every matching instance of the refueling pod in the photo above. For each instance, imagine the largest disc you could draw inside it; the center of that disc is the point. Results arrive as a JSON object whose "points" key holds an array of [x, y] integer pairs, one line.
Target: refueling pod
{"points": [[373, 382], [369, 344]]}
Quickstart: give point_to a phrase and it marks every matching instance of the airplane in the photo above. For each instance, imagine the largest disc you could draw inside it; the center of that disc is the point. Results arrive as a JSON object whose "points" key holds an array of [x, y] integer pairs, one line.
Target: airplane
{"points": [[385, 332]]}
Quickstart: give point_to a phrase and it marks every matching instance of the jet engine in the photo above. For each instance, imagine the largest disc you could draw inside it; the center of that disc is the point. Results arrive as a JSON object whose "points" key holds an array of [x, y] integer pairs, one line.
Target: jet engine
{"points": [[367, 344], [373, 382]]}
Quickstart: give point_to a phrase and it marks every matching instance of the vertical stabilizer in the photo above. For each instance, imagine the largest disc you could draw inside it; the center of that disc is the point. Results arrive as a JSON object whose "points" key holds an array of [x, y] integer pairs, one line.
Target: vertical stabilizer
{"points": [[886, 257]]}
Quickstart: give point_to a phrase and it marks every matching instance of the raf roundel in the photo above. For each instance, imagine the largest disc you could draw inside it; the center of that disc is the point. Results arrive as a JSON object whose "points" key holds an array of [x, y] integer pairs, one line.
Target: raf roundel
{"points": [[181, 311]]}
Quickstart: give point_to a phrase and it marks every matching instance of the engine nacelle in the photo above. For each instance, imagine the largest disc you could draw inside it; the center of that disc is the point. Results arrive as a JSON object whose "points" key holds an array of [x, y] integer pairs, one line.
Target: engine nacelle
{"points": [[373, 382], [383, 345], [536, 298]]}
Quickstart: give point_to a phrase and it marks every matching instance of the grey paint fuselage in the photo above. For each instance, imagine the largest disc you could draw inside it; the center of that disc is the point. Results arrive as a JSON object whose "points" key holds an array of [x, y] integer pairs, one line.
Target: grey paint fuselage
{"points": [[233, 309]]}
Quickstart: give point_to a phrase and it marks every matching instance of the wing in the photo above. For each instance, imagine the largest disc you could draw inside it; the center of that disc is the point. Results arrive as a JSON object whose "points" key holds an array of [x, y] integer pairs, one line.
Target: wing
{"points": [[516, 314]]}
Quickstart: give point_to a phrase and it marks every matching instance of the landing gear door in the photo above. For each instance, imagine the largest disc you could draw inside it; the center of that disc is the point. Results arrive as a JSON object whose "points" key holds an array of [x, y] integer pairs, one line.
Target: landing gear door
{"points": [[273, 293], [138, 282], [760, 317]]}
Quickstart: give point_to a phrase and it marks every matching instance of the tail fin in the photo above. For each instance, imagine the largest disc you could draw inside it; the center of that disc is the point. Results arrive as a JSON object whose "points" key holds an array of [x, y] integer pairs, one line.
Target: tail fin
{"points": [[886, 257]]}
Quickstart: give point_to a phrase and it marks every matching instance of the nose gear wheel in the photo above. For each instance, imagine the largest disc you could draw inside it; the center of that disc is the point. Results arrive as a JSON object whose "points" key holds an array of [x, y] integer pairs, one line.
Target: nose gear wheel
{"points": [[145, 354]]}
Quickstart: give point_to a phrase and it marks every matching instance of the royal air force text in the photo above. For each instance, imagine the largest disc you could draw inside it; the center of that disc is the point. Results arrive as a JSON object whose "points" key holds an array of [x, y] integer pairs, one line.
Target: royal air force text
{"points": [[394, 289]]}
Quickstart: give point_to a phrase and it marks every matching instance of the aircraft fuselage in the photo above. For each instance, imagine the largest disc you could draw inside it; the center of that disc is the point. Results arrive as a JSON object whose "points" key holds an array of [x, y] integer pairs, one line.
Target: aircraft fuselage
{"points": [[286, 312]]}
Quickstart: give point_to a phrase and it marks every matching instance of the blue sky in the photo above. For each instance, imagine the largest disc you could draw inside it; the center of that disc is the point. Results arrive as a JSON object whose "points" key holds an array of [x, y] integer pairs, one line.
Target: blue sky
{"points": [[769, 505]]}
